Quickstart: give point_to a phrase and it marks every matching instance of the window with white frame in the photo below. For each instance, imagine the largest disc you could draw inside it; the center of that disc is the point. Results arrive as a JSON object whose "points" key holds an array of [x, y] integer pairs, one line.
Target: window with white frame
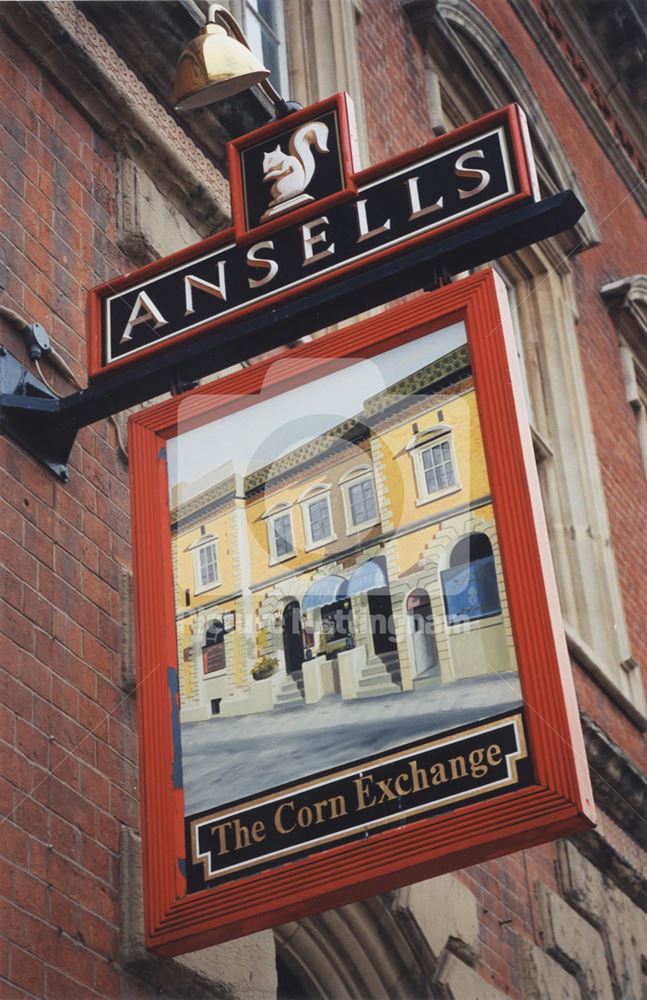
{"points": [[205, 564], [264, 26], [434, 463], [317, 517], [360, 501], [280, 535]]}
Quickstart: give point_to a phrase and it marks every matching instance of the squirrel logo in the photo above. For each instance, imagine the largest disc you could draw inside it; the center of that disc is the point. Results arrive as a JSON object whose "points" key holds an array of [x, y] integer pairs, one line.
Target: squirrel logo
{"points": [[290, 173]]}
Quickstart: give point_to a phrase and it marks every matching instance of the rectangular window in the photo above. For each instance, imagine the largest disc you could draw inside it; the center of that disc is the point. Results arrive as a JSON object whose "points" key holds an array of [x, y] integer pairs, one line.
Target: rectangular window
{"points": [[361, 499], [282, 533], [438, 467], [319, 516], [208, 566]]}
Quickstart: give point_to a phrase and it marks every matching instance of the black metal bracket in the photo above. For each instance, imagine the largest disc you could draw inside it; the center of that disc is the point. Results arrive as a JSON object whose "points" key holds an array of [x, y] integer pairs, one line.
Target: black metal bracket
{"points": [[46, 425]]}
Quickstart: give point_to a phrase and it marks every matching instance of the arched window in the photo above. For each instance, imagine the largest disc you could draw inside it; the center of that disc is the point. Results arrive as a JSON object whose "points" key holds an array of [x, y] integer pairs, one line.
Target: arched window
{"points": [[470, 588]]}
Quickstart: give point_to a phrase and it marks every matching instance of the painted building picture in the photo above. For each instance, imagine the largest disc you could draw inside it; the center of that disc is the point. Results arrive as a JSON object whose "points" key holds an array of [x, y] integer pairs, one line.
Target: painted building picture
{"points": [[361, 564]]}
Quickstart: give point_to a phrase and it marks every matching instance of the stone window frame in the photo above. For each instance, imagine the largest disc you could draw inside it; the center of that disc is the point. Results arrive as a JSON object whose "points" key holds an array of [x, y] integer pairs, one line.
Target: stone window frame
{"points": [[547, 316], [360, 474], [424, 441], [315, 494], [277, 511], [203, 542]]}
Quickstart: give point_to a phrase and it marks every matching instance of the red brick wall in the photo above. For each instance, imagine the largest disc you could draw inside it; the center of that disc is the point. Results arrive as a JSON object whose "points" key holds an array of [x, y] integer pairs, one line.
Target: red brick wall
{"points": [[68, 770]]}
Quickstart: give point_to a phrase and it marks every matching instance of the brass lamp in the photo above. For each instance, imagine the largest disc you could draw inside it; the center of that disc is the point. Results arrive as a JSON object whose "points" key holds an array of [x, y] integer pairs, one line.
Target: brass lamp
{"points": [[218, 64]]}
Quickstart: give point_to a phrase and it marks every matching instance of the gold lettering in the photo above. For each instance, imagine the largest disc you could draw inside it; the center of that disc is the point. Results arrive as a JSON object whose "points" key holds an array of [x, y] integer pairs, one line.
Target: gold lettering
{"points": [[477, 768], [418, 776], [400, 784], [363, 801], [494, 755], [438, 774], [258, 831], [221, 830], [385, 788], [278, 818], [337, 806], [304, 817], [458, 768]]}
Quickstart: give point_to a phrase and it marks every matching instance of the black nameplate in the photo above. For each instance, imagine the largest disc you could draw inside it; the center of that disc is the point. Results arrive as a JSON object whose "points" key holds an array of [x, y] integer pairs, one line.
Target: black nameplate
{"points": [[389, 790], [418, 199]]}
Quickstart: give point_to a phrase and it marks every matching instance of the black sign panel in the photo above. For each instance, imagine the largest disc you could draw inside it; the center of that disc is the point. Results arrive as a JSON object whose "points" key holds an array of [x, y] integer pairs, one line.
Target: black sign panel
{"points": [[375, 794], [417, 199]]}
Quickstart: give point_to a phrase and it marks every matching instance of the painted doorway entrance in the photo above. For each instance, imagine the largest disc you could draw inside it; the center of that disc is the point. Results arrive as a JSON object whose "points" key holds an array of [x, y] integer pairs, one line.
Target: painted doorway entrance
{"points": [[422, 635], [292, 637]]}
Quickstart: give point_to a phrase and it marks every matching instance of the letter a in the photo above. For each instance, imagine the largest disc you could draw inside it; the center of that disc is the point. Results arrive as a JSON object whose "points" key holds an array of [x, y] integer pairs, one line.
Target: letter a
{"points": [[143, 301]]}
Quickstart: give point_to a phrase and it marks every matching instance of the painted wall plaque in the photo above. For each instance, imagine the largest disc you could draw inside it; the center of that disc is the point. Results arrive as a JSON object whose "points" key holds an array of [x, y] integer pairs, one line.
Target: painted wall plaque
{"points": [[352, 668]]}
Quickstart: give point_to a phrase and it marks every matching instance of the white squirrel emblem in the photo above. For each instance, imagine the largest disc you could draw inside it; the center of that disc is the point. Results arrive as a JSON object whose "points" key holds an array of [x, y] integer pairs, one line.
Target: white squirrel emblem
{"points": [[290, 173]]}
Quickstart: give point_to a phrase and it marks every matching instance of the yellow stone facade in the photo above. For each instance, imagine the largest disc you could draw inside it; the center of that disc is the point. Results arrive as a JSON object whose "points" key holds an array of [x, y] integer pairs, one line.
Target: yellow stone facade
{"points": [[334, 572]]}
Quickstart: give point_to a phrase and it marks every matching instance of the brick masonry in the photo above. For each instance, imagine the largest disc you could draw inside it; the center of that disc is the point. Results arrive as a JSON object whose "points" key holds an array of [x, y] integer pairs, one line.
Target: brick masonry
{"points": [[545, 923]]}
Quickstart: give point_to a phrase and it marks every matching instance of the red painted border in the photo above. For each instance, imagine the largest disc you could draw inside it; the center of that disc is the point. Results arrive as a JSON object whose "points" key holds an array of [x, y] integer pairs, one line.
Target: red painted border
{"points": [[342, 104], [510, 115], [559, 804]]}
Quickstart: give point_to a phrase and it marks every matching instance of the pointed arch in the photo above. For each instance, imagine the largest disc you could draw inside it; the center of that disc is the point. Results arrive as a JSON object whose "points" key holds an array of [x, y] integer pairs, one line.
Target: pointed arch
{"points": [[496, 78]]}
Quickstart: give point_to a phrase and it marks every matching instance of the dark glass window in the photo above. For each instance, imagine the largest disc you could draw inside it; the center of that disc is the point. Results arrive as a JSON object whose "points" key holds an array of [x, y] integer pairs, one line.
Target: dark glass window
{"points": [[438, 467], [470, 588], [361, 497], [319, 515], [282, 528]]}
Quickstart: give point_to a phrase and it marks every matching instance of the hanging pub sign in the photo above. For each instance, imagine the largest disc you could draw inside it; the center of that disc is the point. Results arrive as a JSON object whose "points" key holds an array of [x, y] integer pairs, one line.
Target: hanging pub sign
{"points": [[352, 668], [303, 214]]}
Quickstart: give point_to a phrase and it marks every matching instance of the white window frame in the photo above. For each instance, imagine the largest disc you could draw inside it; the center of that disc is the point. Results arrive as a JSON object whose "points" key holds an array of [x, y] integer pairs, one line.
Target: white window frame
{"points": [[424, 441], [283, 510], [355, 478], [316, 494], [209, 541]]}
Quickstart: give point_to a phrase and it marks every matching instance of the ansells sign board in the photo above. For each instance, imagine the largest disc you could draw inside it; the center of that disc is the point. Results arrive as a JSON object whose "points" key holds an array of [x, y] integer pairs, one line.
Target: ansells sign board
{"points": [[298, 239]]}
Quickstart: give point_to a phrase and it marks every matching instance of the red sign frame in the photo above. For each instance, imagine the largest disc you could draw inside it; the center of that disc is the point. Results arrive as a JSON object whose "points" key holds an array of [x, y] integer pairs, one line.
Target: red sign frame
{"points": [[559, 803], [511, 118]]}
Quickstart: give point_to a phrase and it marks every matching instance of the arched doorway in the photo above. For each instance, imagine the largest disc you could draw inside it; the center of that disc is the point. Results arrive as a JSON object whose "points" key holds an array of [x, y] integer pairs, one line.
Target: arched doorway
{"points": [[292, 637], [423, 638]]}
